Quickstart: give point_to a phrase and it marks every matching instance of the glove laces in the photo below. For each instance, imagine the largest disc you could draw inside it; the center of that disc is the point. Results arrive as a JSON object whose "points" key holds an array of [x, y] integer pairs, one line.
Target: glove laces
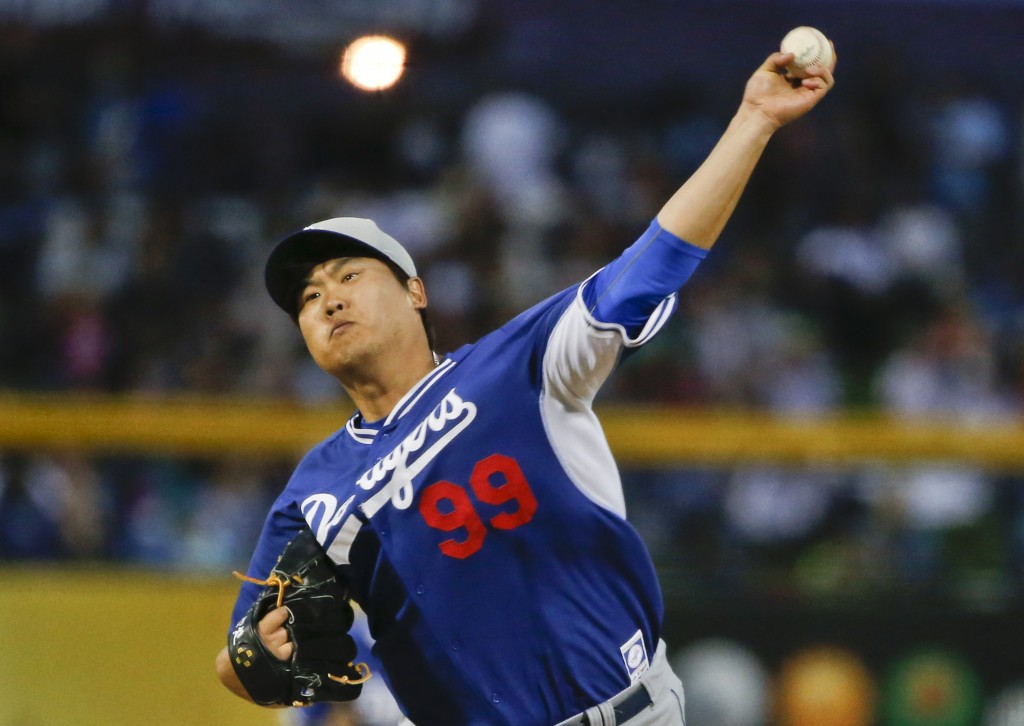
{"points": [[361, 668], [274, 580]]}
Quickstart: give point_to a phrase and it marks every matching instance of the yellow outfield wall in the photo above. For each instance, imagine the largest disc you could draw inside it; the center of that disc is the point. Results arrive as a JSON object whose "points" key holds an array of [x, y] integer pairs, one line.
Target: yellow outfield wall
{"points": [[651, 436], [108, 647]]}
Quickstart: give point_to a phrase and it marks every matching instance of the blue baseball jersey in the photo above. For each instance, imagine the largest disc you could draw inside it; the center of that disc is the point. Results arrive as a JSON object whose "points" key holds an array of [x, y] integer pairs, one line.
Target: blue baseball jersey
{"points": [[481, 525]]}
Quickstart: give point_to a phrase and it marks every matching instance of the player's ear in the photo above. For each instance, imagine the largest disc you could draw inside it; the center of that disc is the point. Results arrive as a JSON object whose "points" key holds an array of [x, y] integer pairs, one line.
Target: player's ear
{"points": [[417, 293]]}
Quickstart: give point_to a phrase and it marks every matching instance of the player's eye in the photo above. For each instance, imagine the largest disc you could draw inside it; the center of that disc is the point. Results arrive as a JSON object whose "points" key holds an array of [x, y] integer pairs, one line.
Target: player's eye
{"points": [[349, 276], [308, 296]]}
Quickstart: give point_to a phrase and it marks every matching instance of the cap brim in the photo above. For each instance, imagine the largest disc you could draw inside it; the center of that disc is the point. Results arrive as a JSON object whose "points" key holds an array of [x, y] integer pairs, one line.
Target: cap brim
{"points": [[290, 262]]}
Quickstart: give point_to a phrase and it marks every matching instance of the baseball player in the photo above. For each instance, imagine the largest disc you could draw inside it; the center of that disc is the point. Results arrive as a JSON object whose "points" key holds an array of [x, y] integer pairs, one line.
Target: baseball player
{"points": [[471, 505]]}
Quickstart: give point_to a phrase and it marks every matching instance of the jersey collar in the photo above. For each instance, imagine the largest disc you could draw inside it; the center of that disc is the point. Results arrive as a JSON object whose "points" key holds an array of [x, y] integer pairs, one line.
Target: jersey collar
{"points": [[364, 432]]}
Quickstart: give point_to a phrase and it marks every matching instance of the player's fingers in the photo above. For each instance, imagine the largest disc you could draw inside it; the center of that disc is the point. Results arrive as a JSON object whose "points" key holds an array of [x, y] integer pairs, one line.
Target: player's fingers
{"points": [[821, 76], [814, 84], [274, 634], [777, 62], [274, 620], [278, 644], [284, 651], [274, 638]]}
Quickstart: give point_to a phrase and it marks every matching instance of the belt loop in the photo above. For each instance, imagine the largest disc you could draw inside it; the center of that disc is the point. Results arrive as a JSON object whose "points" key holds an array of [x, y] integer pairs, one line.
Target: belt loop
{"points": [[600, 715]]}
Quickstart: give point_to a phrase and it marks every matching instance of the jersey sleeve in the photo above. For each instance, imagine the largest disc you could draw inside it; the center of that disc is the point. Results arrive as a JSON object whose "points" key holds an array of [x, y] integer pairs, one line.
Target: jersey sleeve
{"points": [[620, 307], [636, 293], [283, 523]]}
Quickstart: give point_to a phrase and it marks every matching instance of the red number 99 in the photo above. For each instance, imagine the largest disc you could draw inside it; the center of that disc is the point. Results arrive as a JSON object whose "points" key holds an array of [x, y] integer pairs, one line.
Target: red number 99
{"points": [[515, 487], [495, 481], [461, 515]]}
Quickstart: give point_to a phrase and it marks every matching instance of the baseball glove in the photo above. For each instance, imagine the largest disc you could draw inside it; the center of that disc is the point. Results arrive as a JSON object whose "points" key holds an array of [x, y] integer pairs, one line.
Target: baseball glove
{"points": [[320, 668]]}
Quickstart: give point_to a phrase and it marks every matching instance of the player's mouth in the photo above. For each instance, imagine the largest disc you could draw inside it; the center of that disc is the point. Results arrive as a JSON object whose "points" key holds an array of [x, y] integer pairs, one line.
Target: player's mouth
{"points": [[339, 327]]}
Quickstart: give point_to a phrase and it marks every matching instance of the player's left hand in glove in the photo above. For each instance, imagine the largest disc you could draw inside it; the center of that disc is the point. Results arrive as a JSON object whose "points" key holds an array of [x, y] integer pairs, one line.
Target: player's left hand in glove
{"points": [[320, 667]]}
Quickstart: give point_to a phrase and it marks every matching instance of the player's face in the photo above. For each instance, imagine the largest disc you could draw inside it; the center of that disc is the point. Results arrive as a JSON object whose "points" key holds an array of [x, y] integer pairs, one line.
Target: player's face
{"points": [[353, 311]]}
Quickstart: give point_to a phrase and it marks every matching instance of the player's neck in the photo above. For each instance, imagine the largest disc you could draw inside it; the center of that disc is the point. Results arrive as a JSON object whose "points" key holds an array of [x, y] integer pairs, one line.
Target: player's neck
{"points": [[377, 391]]}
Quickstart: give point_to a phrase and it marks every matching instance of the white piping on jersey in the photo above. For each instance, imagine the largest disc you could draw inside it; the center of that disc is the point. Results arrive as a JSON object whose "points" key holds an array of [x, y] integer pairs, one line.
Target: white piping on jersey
{"points": [[654, 323], [362, 436], [581, 354], [406, 402]]}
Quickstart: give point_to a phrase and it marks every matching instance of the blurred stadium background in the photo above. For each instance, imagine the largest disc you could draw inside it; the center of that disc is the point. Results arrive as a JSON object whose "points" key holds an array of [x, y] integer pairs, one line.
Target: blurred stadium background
{"points": [[824, 451]]}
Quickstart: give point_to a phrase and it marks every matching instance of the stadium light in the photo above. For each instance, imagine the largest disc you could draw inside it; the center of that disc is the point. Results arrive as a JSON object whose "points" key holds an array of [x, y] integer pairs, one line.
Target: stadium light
{"points": [[373, 62]]}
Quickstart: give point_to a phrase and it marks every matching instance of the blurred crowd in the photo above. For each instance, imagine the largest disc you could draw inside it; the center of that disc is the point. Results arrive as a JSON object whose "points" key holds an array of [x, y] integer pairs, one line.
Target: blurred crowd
{"points": [[875, 261]]}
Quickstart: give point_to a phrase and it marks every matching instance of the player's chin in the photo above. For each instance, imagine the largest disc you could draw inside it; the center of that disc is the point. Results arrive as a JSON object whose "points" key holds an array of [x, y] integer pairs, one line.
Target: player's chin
{"points": [[334, 360]]}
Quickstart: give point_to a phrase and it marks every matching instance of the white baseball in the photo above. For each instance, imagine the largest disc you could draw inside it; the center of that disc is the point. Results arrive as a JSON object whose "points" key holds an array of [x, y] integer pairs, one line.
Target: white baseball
{"points": [[810, 46]]}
